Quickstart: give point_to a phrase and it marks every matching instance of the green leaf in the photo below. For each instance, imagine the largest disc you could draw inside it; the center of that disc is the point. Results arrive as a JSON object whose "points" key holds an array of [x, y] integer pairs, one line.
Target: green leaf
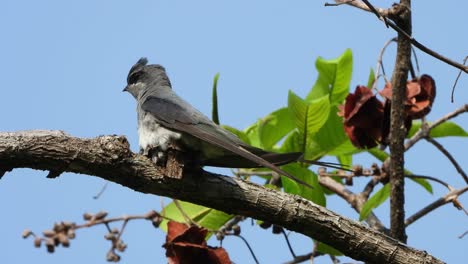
{"points": [[346, 148], [214, 114], [209, 218], [334, 78], [326, 249], [374, 201], [345, 159], [330, 136], [315, 195], [292, 143], [252, 135], [424, 183], [240, 134], [379, 154], [309, 117], [274, 127], [446, 129], [371, 80]]}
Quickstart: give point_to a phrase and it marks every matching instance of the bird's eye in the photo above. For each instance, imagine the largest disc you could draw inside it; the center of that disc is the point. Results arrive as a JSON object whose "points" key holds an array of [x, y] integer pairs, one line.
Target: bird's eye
{"points": [[133, 78]]}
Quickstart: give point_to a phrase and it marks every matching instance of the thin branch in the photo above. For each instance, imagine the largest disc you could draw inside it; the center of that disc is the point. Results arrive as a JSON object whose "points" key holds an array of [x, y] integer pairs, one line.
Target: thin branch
{"points": [[456, 80], [380, 62], [103, 188], [288, 242], [360, 5], [462, 235], [384, 13], [356, 201], [338, 4], [449, 197], [415, 176], [425, 130], [449, 156], [302, 258], [188, 221], [248, 246]]}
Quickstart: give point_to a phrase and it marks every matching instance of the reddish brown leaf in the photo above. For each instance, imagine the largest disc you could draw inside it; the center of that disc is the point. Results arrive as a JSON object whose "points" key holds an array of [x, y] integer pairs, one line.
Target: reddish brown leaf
{"points": [[422, 103], [363, 114], [186, 245], [420, 94]]}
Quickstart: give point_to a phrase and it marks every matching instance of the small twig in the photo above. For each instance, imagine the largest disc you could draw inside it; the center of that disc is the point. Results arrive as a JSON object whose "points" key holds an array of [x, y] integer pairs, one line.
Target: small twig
{"points": [[415, 59], [370, 186], [248, 246], [228, 226], [380, 62], [462, 235], [338, 4], [288, 242], [253, 173], [449, 197], [360, 5], [376, 12], [425, 130], [456, 80], [188, 221], [386, 12], [334, 259], [356, 201], [302, 258], [414, 176], [103, 188], [449, 156]]}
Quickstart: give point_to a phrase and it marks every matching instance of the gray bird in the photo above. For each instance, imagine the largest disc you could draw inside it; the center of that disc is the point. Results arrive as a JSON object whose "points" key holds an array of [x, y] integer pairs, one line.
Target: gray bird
{"points": [[165, 119]]}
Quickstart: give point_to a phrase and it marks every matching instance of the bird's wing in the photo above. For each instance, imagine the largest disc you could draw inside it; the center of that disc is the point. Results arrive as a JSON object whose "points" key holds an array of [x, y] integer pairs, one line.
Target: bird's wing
{"points": [[184, 118]]}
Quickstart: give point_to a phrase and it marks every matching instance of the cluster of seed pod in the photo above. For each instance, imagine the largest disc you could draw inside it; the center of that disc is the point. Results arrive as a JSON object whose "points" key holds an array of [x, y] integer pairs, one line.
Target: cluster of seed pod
{"points": [[60, 234]]}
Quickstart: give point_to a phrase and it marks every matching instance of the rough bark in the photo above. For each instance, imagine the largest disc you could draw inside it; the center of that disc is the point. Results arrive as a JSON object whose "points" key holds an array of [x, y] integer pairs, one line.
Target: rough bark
{"points": [[110, 158], [397, 127]]}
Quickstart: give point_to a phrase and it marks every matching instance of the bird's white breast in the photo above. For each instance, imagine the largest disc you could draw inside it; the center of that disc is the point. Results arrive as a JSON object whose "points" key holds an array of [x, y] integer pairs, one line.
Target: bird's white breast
{"points": [[151, 134]]}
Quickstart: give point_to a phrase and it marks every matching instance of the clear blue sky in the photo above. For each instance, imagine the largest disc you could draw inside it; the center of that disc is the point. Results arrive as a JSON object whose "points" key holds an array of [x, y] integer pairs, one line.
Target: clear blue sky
{"points": [[63, 66]]}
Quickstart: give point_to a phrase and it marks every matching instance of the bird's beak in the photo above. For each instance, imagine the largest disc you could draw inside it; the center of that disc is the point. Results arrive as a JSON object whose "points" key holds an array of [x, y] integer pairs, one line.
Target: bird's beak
{"points": [[125, 89]]}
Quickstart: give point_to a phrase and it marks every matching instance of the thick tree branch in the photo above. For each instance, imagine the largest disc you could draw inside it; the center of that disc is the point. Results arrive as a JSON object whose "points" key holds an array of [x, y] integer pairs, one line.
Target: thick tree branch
{"points": [[110, 158], [397, 127]]}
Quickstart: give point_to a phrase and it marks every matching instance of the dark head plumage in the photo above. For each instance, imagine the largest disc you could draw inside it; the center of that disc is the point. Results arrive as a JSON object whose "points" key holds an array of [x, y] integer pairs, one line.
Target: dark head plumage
{"points": [[141, 75]]}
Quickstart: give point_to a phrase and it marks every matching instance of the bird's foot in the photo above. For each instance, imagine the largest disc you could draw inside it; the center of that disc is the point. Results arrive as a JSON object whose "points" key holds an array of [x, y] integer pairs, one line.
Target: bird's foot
{"points": [[156, 155]]}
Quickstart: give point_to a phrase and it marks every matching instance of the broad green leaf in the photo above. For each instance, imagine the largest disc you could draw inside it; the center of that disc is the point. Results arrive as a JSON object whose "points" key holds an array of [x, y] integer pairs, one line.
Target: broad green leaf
{"points": [[292, 143], [424, 183], [333, 79], [371, 80], [252, 135], [346, 148], [274, 127], [330, 136], [309, 117], [446, 129], [374, 201], [214, 114], [240, 134], [209, 218], [326, 249], [315, 195], [345, 159], [379, 154]]}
